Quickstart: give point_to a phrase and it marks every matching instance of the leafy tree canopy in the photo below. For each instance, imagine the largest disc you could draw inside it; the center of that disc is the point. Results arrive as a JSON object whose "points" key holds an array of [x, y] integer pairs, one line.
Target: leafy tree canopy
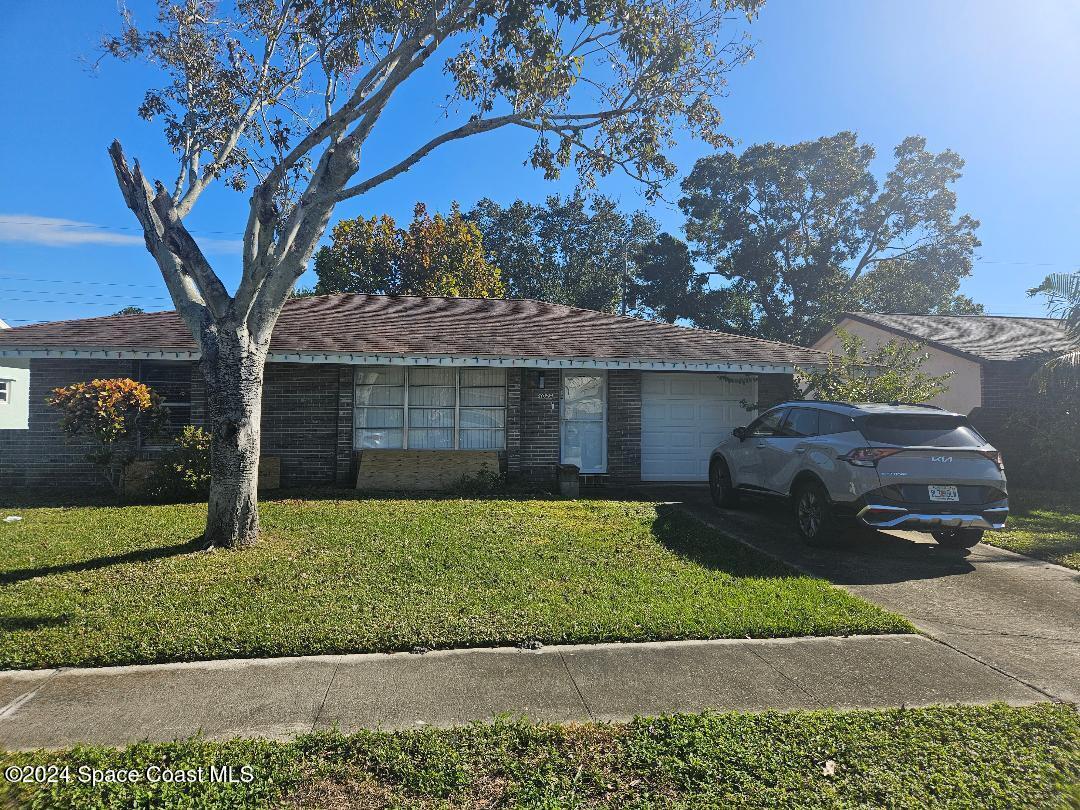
{"points": [[801, 233], [577, 250], [435, 255], [667, 286], [889, 373]]}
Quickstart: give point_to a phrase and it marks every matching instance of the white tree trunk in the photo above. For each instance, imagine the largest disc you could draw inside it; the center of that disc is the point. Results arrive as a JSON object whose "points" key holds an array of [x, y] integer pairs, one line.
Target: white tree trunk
{"points": [[232, 365]]}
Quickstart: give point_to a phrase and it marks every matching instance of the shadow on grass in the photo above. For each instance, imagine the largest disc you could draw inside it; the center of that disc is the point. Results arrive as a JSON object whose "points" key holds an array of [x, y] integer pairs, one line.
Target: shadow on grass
{"points": [[142, 555], [865, 557], [11, 624], [687, 537]]}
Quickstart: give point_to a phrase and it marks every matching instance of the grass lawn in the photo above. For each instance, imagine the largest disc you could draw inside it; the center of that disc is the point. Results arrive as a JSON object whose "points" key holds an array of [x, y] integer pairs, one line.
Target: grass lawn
{"points": [[97, 585], [1042, 524], [965, 756]]}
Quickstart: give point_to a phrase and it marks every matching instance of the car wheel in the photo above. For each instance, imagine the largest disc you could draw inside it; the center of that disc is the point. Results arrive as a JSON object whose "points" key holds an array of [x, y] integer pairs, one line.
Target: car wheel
{"points": [[957, 538], [814, 518], [723, 493]]}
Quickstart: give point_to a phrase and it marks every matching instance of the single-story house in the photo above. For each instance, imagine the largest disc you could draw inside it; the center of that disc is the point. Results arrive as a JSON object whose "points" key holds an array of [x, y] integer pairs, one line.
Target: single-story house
{"points": [[993, 358], [625, 400]]}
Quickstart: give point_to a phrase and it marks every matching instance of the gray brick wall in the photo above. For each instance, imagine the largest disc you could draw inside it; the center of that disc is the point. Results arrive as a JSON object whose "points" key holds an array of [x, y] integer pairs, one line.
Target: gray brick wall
{"points": [[300, 421], [1006, 387], [345, 471], [537, 425], [300, 424], [41, 457], [773, 389], [624, 426]]}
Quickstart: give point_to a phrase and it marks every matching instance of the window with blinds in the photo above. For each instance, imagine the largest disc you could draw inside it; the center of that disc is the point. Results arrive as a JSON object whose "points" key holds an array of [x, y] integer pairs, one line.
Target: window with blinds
{"points": [[379, 407], [430, 408], [482, 411]]}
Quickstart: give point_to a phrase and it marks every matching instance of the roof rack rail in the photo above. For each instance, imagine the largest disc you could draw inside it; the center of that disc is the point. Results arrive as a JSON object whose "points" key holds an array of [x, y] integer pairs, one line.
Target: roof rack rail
{"points": [[916, 405], [811, 402]]}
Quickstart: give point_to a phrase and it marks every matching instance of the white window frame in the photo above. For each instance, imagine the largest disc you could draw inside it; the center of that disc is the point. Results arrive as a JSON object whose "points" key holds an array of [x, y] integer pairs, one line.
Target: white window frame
{"points": [[405, 405], [602, 374], [7, 387]]}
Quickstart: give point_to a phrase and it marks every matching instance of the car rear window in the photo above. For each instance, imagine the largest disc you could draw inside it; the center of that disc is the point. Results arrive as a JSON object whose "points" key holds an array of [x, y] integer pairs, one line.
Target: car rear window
{"points": [[927, 430]]}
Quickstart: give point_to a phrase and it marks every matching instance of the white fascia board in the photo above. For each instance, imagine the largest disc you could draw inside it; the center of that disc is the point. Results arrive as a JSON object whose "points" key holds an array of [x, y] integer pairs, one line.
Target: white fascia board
{"points": [[756, 367]]}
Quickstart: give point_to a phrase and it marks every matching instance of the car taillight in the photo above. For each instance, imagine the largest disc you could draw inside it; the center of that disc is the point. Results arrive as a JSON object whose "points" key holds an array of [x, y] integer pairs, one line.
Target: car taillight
{"points": [[868, 456], [994, 456]]}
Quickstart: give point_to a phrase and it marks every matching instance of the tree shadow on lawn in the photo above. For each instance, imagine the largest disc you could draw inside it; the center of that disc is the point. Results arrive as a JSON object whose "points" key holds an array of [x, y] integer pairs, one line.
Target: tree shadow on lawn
{"points": [[11, 624], [141, 555]]}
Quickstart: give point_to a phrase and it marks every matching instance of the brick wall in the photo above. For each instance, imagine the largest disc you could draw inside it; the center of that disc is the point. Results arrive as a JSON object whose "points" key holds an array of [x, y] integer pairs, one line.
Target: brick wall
{"points": [[345, 472], [624, 426], [300, 421], [537, 425], [302, 408], [42, 457], [1006, 386], [772, 390]]}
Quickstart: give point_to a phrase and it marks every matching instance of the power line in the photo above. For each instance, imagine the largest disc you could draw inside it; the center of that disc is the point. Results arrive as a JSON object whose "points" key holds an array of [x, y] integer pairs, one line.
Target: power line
{"points": [[111, 302], [118, 296], [54, 280]]}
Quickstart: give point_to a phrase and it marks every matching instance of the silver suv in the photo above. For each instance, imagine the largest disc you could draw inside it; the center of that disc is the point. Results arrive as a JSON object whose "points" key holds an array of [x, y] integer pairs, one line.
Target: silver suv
{"points": [[894, 466]]}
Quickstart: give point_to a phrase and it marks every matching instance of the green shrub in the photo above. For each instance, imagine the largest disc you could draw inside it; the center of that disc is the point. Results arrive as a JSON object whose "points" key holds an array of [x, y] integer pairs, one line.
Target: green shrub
{"points": [[478, 484], [183, 471], [1041, 440]]}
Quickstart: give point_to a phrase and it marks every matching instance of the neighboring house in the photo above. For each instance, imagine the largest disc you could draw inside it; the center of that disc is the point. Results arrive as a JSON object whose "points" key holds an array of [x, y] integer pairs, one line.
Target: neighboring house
{"points": [[623, 399], [993, 357], [14, 392]]}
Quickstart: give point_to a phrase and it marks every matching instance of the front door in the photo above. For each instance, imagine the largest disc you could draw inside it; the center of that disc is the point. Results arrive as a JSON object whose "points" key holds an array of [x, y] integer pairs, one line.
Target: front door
{"points": [[583, 422]]}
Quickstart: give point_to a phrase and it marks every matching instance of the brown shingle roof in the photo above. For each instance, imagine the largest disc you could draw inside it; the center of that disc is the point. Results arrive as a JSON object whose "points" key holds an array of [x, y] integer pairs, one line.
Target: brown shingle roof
{"points": [[404, 325], [985, 337]]}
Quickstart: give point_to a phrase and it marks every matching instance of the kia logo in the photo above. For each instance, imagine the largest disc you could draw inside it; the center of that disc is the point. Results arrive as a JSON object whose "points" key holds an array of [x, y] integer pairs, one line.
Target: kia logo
{"points": [[942, 459]]}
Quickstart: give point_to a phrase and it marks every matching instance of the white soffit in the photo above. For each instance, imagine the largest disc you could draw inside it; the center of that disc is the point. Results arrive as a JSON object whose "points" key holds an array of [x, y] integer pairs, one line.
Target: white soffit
{"points": [[756, 367]]}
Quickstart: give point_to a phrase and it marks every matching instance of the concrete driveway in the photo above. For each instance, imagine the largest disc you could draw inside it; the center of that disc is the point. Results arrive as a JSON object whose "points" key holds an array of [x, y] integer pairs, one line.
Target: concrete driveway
{"points": [[1018, 615]]}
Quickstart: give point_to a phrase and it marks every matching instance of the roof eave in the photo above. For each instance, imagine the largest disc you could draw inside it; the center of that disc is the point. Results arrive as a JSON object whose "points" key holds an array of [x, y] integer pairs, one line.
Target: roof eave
{"points": [[367, 358]]}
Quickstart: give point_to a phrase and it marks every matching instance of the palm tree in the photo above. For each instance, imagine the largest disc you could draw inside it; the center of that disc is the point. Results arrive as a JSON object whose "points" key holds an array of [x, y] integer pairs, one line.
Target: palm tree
{"points": [[1062, 291]]}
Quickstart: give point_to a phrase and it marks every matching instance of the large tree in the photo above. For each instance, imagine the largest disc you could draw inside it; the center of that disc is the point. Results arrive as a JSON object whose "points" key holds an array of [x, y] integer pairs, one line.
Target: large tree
{"points": [[577, 250], [435, 255], [800, 233], [279, 97], [667, 286]]}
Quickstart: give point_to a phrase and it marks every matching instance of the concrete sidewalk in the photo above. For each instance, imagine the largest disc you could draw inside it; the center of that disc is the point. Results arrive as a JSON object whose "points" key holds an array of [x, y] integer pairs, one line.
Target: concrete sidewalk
{"points": [[278, 698], [1016, 614]]}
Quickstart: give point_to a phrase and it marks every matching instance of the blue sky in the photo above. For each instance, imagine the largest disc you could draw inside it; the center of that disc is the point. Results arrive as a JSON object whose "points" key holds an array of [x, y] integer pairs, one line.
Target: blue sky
{"points": [[994, 80]]}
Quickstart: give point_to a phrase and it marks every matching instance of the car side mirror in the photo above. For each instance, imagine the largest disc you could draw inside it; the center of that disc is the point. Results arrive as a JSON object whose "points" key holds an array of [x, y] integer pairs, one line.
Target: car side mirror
{"points": [[739, 433]]}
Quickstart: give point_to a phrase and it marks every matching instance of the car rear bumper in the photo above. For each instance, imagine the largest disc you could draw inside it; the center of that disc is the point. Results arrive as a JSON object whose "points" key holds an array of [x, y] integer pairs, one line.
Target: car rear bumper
{"points": [[888, 516]]}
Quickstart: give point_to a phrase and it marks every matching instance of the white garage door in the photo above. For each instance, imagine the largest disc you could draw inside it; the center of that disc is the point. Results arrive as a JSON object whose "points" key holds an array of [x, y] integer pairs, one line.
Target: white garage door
{"points": [[684, 416]]}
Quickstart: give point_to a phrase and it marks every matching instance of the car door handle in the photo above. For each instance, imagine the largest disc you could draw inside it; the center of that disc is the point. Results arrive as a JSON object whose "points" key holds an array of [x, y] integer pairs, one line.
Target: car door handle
{"points": [[800, 449], [761, 444]]}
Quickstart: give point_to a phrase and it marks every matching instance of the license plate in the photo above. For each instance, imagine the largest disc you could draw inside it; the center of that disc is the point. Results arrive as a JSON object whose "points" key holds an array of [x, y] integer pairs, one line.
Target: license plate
{"points": [[944, 494]]}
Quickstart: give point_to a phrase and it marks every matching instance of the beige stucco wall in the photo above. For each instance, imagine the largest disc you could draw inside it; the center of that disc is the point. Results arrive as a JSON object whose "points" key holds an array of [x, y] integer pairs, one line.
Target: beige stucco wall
{"points": [[965, 385], [15, 414]]}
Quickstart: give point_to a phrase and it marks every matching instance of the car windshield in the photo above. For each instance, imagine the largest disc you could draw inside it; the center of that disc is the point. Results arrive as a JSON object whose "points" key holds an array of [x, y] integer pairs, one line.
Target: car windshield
{"points": [[926, 430]]}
